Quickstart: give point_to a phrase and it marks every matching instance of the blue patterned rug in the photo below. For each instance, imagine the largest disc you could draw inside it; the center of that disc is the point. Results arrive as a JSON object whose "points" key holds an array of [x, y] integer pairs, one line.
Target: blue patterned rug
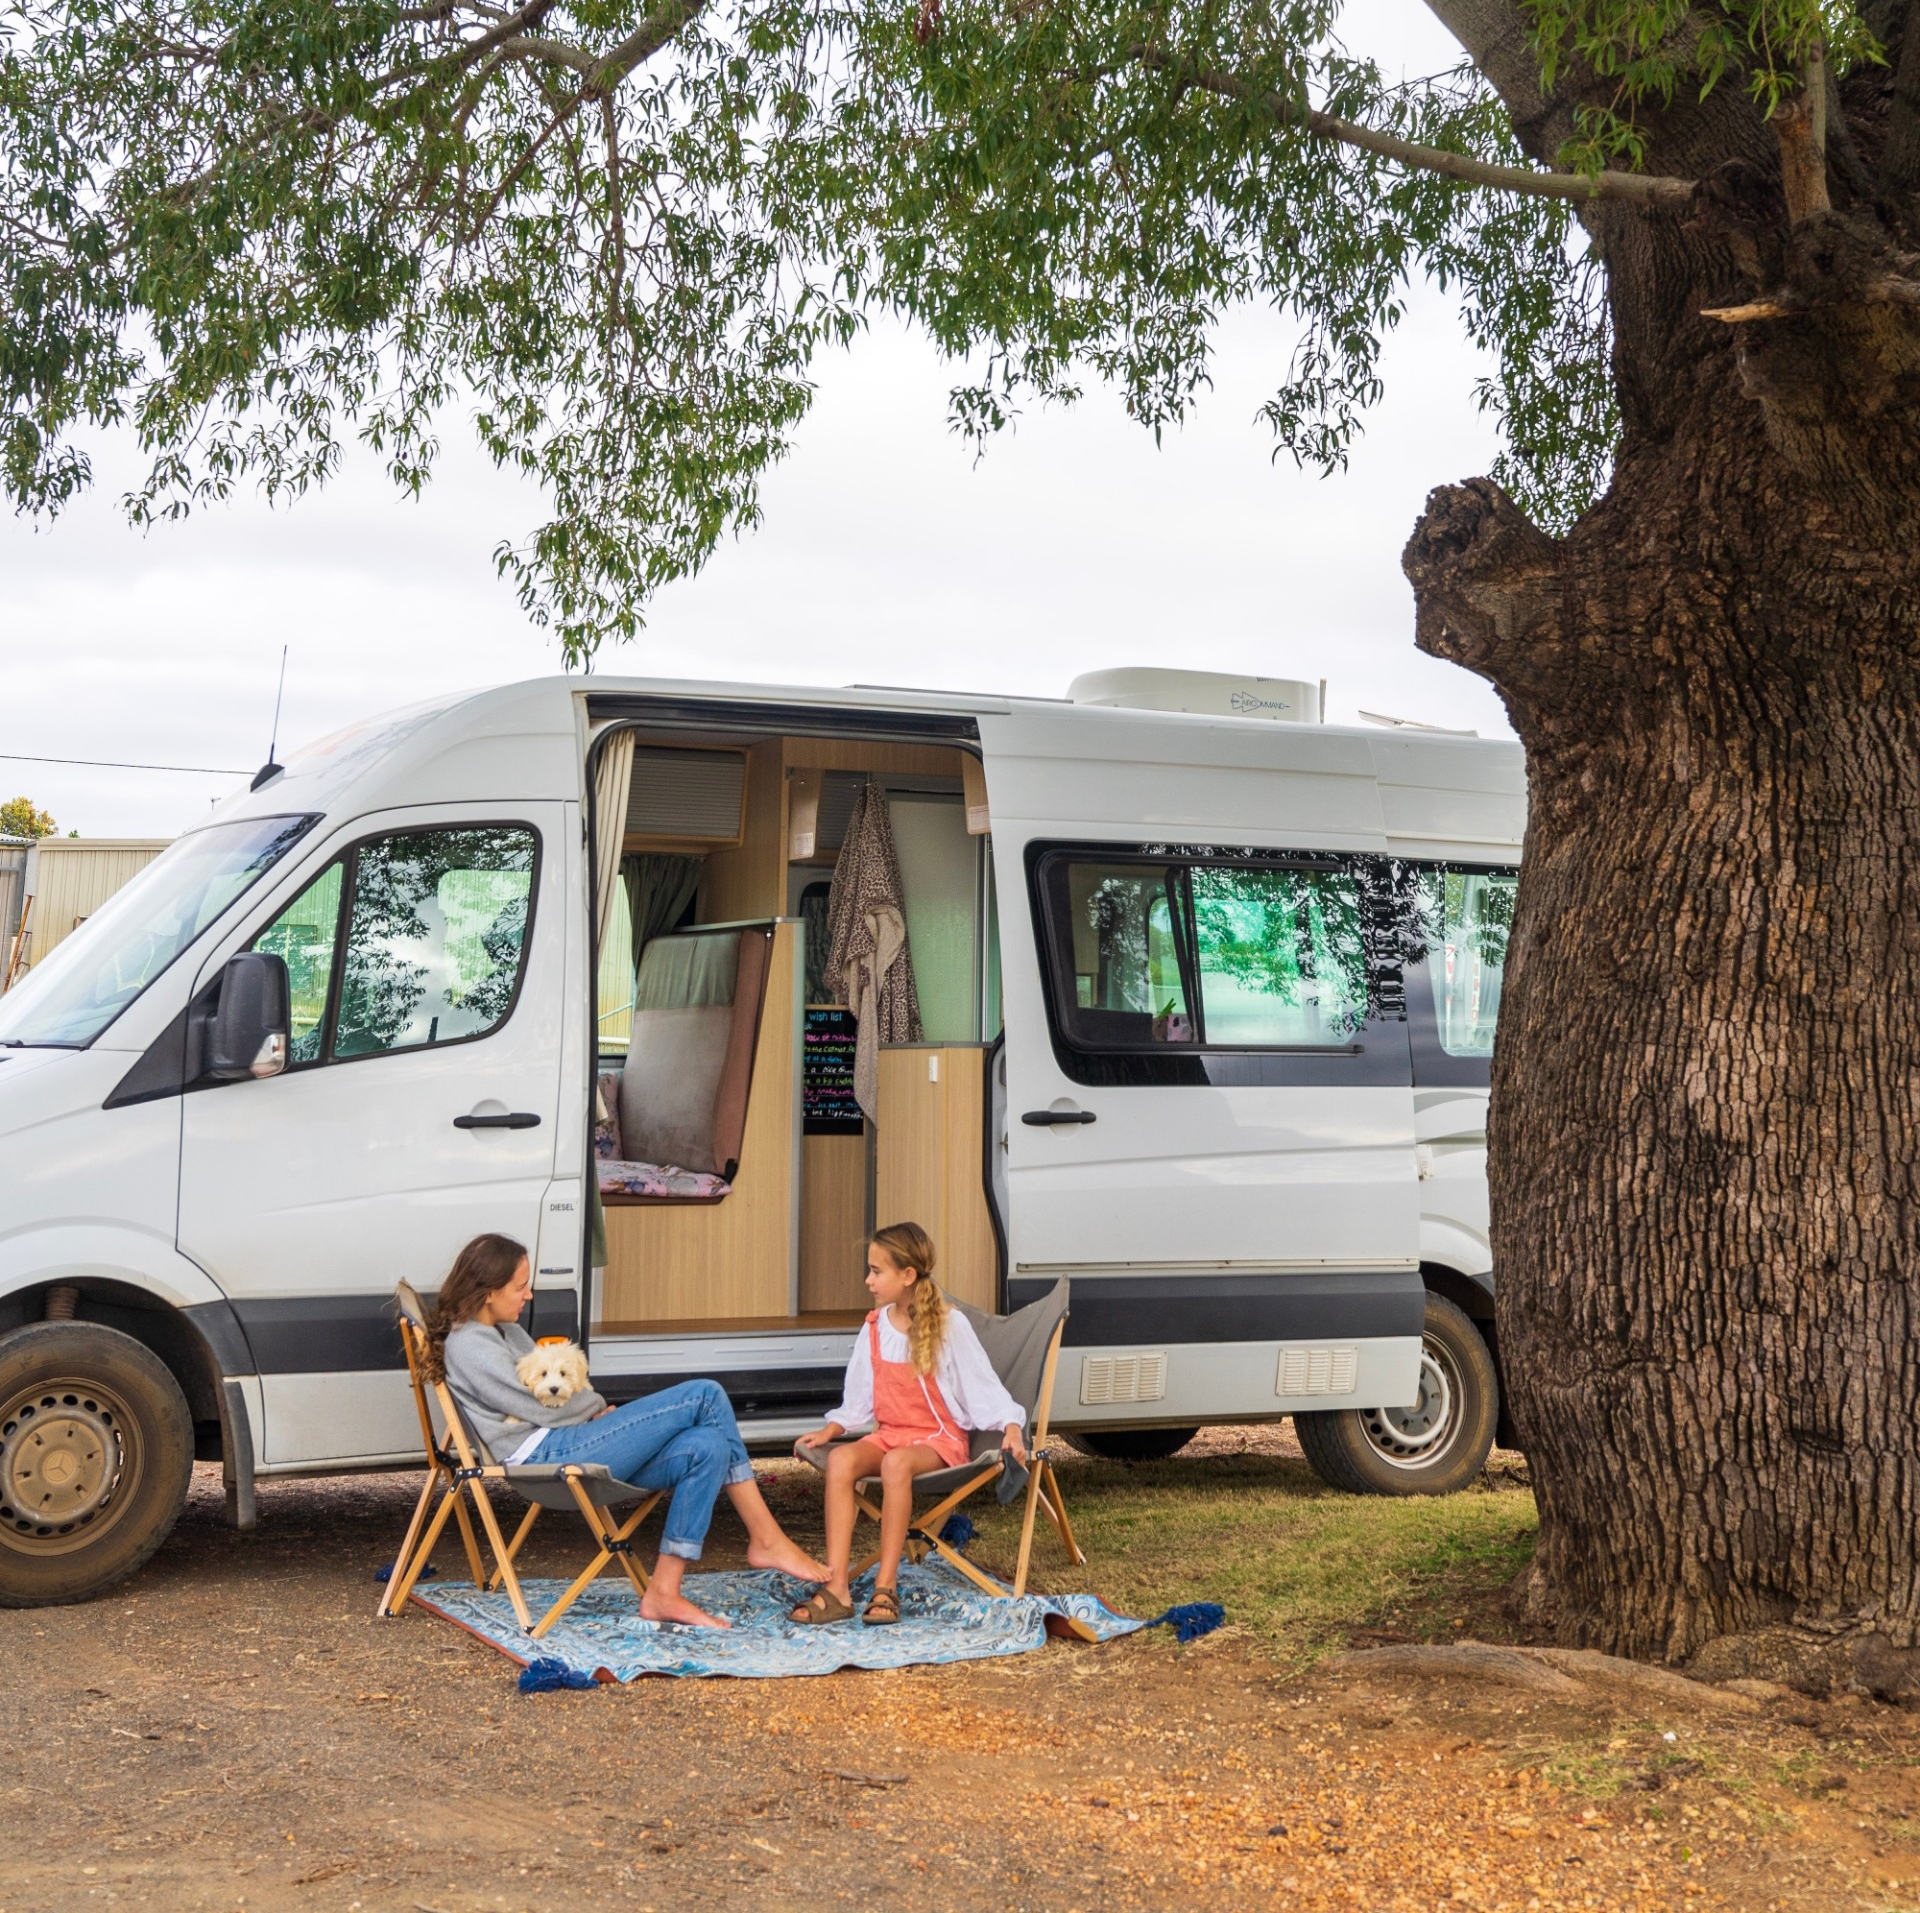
{"points": [[943, 1617]]}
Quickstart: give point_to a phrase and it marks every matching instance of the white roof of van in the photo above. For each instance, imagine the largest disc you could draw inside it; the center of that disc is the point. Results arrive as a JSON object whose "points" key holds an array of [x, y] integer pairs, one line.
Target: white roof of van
{"points": [[1437, 794]]}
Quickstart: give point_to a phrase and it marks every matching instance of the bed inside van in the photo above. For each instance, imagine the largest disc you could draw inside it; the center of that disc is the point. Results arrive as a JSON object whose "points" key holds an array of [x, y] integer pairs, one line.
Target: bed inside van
{"points": [[738, 1178]]}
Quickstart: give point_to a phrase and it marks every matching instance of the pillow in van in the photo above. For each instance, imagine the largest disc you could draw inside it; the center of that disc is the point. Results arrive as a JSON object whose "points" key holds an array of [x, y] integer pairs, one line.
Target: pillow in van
{"points": [[669, 1085], [606, 1113]]}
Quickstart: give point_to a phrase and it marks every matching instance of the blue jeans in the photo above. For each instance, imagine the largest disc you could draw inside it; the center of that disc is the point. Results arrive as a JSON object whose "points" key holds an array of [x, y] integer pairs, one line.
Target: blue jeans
{"points": [[684, 1438]]}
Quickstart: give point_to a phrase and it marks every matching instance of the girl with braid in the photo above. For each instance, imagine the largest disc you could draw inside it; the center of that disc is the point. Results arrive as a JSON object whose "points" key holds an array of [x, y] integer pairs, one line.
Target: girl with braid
{"points": [[921, 1378]]}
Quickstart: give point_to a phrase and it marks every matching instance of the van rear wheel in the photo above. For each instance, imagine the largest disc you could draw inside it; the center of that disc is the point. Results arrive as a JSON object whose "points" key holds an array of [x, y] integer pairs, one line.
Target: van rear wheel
{"points": [[96, 1454], [1435, 1447]]}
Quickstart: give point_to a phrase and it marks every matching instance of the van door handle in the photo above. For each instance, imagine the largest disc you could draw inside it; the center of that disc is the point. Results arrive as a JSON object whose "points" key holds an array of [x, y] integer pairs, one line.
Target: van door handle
{"points": [[1045, 1118], [516, 1119]]}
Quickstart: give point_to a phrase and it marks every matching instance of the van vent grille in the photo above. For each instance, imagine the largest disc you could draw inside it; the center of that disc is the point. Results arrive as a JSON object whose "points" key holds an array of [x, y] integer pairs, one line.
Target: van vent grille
{"points": [[1317, 1371], [696, 795], [1122, 1378]]}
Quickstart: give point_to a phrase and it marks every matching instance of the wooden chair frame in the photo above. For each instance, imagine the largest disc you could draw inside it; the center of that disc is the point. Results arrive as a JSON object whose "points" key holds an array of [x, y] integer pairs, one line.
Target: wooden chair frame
{"points": [[449, 1474], [1043, 1492]]}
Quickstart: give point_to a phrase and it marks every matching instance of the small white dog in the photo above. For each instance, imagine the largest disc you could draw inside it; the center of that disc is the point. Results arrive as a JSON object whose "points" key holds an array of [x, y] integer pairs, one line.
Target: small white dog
{"points": [[553, 1373]]}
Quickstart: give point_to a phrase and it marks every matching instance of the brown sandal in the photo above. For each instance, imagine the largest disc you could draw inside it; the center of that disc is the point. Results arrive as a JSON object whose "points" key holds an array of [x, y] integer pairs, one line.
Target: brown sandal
{"points": [[883, 1609], [820, 1607]]}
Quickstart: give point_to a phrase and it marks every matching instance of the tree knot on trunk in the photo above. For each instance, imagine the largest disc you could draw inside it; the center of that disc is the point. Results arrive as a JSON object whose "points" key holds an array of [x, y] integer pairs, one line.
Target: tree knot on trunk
{"points": [[1485, 578]]}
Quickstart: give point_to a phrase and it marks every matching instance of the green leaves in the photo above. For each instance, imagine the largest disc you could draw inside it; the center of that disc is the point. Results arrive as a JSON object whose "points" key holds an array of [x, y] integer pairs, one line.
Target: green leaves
{"points": [[615, 233], [1650, 51]]}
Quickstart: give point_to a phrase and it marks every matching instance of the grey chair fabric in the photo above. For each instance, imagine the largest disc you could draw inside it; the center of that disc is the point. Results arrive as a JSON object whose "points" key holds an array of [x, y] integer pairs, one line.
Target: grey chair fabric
{"points": [[1016, 1344]]}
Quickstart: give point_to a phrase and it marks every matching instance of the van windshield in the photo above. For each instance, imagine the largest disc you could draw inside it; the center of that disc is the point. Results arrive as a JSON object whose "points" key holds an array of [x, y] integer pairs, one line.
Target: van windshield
{"points": [[81, 985]]}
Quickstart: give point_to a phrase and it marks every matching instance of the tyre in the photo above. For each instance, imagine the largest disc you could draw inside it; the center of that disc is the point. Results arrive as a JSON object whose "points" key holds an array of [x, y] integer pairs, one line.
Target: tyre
{"points": [[1131, 1444], [1437, 1446], [96, 1451]]}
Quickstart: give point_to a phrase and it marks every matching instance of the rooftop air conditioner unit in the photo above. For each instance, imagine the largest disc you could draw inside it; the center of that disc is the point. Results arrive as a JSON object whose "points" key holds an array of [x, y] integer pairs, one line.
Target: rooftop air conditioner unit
{"points": [[1205, 693]]}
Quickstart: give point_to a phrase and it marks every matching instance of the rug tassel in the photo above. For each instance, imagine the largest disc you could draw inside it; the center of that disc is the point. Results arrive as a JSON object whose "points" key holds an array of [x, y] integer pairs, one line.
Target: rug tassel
{"points": [[549, 1676], [1191, 1619]]}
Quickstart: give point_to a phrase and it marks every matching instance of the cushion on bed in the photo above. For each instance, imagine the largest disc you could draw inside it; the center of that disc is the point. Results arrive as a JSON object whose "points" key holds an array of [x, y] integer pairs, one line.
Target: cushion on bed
{"points": [[660, 1179]]}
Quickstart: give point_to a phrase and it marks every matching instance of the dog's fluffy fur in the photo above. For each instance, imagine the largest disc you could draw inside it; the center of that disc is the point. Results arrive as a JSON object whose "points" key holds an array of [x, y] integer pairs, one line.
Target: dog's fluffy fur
{"points": [[553, 1375]]}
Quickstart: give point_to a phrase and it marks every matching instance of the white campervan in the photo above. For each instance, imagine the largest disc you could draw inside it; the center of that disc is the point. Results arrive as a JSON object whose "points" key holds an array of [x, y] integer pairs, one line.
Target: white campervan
{"points": [[1205, 995]]}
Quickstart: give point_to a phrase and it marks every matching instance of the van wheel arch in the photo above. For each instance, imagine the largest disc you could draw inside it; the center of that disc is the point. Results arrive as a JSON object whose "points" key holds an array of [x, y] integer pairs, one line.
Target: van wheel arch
{"points": [[1473, 1296], [1438, 1445], [183, 1347]]}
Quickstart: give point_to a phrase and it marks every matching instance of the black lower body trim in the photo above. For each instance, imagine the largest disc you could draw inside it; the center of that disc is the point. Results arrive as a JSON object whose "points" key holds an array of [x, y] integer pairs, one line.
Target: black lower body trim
{"points": [[1126, 1311], [322, 1334], [754, 1392]]}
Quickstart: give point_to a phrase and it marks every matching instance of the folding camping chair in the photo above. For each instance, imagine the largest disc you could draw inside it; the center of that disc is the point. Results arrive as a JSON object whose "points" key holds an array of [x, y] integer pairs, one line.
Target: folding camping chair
{"points": [[461, 1461], [1024, 1348]]}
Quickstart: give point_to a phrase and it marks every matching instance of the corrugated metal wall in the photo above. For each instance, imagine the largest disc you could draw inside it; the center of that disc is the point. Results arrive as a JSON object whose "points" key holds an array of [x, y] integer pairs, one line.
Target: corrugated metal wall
{"points": [[74, 876]]}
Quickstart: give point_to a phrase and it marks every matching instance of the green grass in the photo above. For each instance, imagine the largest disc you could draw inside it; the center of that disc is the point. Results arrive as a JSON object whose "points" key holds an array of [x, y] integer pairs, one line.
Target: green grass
{"points": [[1292, 1561]]}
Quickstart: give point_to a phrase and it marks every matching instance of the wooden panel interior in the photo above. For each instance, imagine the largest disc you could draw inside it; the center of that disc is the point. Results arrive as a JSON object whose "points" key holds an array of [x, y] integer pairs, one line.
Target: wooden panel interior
{"points": [[884, 760], [927, 1169], [741, 1324], [739, 885], [833, 1223], [723, 1260]]}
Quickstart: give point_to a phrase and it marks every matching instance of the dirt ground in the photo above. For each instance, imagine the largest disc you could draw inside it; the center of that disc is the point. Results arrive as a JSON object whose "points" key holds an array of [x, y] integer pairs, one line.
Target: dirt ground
{"points": [[233, 1728]]}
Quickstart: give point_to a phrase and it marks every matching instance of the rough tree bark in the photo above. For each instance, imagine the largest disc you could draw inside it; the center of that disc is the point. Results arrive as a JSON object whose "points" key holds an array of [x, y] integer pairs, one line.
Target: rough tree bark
{"points": [[1707, 1092]]}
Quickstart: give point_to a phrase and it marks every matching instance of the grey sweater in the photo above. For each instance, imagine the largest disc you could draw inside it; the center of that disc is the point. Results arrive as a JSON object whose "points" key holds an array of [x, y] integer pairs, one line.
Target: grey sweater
{"points": [[479, 1363]]}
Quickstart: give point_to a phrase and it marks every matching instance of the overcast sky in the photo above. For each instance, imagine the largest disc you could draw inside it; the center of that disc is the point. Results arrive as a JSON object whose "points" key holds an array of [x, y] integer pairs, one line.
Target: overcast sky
{"points": [[887, 555]]}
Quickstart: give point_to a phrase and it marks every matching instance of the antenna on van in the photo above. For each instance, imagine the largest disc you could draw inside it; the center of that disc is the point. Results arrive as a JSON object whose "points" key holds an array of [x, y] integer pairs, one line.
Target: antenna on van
{"points": [[270, 770]]}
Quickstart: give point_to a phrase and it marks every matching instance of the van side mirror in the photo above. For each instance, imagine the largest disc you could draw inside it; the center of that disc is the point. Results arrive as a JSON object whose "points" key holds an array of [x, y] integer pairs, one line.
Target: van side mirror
{"points": [[253, 1025]]}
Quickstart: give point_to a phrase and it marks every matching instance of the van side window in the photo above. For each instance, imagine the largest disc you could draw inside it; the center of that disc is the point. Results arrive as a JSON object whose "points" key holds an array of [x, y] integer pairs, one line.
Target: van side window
{"points": [[436, 937], [1467, 917], [1190, 964], [303, 936], [1282, 956], [1116, 924]]}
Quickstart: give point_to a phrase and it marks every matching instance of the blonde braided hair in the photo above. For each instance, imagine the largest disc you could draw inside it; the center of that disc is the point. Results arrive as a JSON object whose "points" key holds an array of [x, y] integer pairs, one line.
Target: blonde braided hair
{"points": [[908, 1246]]}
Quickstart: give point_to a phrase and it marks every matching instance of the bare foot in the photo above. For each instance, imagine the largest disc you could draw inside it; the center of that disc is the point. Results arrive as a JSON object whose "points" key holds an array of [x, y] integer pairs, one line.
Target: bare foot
{"points": [[789, 1558], [655, 1606]]}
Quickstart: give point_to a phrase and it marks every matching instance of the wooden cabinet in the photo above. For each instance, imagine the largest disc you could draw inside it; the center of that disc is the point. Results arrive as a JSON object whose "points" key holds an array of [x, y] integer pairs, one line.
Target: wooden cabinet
{"points": [[929, 1160]]}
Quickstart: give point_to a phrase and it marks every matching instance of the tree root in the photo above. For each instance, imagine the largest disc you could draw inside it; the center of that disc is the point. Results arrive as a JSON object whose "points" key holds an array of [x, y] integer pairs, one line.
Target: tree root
{"points": [[1564, 1672]]}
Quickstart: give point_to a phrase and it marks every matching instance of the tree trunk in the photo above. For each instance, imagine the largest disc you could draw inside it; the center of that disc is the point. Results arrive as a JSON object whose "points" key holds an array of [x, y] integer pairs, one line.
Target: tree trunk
{"points": [[1706, 1226]]}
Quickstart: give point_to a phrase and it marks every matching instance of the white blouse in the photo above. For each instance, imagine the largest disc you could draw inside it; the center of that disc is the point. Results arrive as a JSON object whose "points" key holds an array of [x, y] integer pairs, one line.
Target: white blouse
{"points": [[967, 1381]]}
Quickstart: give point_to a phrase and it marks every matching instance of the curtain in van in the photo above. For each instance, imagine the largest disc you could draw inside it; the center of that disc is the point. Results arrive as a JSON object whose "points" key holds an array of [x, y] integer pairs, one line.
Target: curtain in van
{"points": [[610, 780], [867, 942], [659, 888]]}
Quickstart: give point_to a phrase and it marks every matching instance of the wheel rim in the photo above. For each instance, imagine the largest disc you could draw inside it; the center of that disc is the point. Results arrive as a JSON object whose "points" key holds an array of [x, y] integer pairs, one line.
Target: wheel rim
{"points": [[1419, 1436], [70, 1460]]}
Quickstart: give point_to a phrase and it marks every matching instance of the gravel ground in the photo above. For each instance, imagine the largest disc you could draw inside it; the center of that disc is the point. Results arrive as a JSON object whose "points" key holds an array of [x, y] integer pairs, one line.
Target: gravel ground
{"points": [[233, 1728]]}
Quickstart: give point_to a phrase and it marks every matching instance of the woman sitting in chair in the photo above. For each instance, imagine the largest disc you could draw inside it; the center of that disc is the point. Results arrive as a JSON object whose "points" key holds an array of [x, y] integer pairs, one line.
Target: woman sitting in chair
{"points": [[683, 1438], [919, 1373]]}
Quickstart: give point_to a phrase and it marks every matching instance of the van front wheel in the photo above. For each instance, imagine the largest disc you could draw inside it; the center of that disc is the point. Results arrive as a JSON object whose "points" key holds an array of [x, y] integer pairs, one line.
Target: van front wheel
{"points": [[96, 1453], [1436, 1446]]}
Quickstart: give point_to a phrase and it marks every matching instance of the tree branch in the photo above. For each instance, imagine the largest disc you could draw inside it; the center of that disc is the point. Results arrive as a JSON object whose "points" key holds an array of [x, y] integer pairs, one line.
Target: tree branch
{"points": [[642, 44], [1634, 188], [533, 46]]}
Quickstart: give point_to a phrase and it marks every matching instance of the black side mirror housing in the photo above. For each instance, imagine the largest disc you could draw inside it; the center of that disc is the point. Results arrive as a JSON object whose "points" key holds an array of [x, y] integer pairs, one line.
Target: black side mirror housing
{"points": [[252, 1028]]}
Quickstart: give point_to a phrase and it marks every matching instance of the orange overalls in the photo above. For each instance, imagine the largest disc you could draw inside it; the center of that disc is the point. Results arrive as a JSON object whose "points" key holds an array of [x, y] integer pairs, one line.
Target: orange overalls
{"points": [[908, 1408]]}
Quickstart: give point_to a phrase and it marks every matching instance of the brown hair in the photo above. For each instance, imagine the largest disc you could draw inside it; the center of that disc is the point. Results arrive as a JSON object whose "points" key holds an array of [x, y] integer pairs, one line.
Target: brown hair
{"points": [[908, 1246], [487, 1263]]}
